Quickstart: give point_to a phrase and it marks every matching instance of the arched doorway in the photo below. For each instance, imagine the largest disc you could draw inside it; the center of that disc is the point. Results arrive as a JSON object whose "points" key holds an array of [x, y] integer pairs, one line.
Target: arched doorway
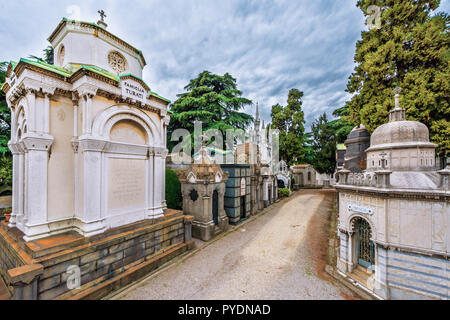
{"points": [[215, 207], [364, 246]]}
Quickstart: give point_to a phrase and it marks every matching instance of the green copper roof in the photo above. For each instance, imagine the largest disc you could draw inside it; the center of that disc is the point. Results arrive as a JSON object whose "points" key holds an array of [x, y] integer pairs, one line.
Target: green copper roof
{"points": [[71, 69], [341, 146], [158, 96], [46, 66]]}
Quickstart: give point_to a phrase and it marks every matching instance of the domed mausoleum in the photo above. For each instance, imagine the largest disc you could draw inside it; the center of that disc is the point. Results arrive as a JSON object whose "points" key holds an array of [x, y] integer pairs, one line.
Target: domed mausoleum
{"points": [[88, 138], [356, 144], [394, 217]]}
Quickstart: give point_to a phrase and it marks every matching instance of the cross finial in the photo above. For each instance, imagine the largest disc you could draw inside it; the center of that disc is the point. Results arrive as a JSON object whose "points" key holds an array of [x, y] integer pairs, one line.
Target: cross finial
{"points": [[102, 15], [397, 91]]}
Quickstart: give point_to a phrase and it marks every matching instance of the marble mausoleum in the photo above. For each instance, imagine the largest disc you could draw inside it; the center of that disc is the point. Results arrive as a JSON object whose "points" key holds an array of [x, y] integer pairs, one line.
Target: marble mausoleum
{"points": [[394, 217]]}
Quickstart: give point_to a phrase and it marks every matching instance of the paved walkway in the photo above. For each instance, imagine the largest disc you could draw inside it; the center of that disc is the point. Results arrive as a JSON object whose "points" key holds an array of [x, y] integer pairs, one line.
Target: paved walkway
{"points": [[279, 255]]}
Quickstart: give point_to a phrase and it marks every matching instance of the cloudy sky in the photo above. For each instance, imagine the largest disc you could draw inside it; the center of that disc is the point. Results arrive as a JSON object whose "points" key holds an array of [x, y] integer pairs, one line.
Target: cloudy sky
{"points": [[269, 46]]}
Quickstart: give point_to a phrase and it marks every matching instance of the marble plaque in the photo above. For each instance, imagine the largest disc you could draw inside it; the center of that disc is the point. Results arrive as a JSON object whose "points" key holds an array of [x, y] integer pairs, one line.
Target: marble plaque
{"points": [[126, 183]]}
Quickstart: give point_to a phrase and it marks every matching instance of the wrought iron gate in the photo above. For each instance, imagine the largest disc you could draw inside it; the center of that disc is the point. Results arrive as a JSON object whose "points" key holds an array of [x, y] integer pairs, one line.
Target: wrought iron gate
{"points": [[365, 246]]}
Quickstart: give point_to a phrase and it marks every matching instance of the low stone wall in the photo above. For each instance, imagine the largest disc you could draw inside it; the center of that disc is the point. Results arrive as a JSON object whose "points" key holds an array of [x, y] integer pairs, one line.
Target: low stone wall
{"points": [[99, 259]]}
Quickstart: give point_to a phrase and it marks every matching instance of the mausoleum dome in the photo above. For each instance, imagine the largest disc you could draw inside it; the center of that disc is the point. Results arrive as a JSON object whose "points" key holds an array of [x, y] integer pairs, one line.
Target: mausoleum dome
{"points": [[400, 133], [401, 145]]}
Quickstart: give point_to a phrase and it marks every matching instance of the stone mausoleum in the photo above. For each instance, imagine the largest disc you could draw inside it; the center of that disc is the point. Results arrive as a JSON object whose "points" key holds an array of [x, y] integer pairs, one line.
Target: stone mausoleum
{"points": [[88, 137], [394, 217], [203, 188]]}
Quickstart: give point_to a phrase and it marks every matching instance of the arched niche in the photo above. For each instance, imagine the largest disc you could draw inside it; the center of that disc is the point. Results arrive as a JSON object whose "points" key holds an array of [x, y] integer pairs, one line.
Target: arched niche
{"points": [[128, 131], [116, 120]]}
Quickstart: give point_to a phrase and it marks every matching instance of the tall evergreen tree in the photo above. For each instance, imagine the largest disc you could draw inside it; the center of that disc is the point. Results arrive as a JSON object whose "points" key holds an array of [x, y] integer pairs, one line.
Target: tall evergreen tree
{"points": [[5, 133], [213, 99], [324, 145], [409, 50], [290, 121]]}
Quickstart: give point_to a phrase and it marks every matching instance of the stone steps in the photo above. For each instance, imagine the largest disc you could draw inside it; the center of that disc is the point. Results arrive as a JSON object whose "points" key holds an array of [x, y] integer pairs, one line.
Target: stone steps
{"points": [[361, 275]]}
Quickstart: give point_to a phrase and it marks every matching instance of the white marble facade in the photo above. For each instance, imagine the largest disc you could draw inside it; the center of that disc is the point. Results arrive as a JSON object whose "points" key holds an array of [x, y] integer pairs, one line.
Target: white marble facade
{"points": [[406, 206], [88, 136]]}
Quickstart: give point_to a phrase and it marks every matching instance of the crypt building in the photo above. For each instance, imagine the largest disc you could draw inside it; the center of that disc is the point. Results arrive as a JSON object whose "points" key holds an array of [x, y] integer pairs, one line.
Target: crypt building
{"points": [[88, 136], [394, 216]]}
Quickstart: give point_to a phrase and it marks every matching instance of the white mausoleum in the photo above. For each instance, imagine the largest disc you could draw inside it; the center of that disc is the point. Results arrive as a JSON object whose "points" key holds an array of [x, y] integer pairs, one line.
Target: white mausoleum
{"points": [[88, 136], [394, 217]]}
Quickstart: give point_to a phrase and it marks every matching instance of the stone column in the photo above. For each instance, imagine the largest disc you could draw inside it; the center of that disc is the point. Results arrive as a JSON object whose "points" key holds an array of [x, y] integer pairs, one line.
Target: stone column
{"points": [[92, 221], [15, 150], [38, 147], [343, 250], [46, 113], [158, 183], [151, 182], [350, 250], [30, 111], [86, 99], [163, 186]]}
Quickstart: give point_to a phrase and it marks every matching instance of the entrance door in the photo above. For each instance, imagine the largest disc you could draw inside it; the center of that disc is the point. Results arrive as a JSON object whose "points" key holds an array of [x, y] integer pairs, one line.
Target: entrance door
{"points": [[366, 250], [215, 207], [242, 207]]}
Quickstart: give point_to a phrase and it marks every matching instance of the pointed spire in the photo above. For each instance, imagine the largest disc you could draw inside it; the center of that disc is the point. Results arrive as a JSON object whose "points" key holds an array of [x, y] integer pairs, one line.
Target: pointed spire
{"points": [[257, 117]]}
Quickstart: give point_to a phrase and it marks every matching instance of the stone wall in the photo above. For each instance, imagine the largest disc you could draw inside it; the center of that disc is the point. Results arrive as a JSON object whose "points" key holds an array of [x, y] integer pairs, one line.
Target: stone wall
{"points": [[412, 275], [99, 258]]}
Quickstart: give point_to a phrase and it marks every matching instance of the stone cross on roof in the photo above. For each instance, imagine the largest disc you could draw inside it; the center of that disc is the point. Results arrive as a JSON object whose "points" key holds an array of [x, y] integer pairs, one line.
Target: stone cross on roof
{"points": [[102, 15], [102, 22]]}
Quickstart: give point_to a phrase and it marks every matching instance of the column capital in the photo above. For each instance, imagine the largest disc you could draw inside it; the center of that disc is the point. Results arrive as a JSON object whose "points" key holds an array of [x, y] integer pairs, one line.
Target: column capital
{"points": [[86, 90], [92, 144], [37, 142]]}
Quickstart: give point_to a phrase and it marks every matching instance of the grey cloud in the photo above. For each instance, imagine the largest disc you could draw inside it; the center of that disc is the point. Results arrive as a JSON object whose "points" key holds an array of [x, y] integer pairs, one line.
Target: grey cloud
{"points": [[269, 46]]}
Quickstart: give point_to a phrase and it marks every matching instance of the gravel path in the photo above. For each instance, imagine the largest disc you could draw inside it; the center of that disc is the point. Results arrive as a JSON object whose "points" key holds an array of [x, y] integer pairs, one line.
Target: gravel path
{"points": [[270, 257]]}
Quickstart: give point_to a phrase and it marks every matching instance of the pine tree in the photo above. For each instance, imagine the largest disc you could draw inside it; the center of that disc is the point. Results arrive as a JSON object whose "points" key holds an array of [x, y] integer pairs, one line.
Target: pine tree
{"points": [[324, 145], [409, 50], [212, 99], [290, 122]]}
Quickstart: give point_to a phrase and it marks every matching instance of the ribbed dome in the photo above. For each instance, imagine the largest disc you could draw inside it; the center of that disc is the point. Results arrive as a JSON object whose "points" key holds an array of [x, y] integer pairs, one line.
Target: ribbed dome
{"points": [[400, 132]]}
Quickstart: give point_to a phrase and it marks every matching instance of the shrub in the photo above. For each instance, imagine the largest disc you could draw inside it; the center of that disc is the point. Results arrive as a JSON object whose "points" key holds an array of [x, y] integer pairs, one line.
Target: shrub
{"points": [[174, 198], [284, 192]]}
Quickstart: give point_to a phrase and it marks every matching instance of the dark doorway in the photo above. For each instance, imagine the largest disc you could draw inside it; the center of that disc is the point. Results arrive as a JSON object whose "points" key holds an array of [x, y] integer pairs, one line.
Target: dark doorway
{"points": [[215, 208], [365, 247], [242, 207]]}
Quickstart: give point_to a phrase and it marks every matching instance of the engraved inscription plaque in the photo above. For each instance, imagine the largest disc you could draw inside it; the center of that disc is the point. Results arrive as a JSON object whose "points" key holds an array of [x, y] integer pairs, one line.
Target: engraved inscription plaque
{"points": [[126, 184]]}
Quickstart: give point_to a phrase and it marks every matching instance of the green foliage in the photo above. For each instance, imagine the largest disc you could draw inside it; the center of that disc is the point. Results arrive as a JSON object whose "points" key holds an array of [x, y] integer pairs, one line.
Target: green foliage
{"points": [[212, 99], [48, 55], [410, 50], [5, 133], [174, 198], [284, 192], [309, 149], [5, 171], [290, 122], [340, 126], [324, 145]]}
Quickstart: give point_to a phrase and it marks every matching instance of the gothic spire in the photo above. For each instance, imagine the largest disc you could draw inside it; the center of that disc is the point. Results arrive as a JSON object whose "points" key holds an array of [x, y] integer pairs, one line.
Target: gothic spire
{"points": [[257, 117]]}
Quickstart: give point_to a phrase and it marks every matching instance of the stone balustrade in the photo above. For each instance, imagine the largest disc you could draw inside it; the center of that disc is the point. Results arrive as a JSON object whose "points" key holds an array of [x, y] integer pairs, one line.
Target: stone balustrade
{"points": [[370, 179]]}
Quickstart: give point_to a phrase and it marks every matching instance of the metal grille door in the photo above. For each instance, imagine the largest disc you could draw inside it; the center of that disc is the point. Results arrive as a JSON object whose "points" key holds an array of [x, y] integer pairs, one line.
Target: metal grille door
{"points": [[365, 246]]}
